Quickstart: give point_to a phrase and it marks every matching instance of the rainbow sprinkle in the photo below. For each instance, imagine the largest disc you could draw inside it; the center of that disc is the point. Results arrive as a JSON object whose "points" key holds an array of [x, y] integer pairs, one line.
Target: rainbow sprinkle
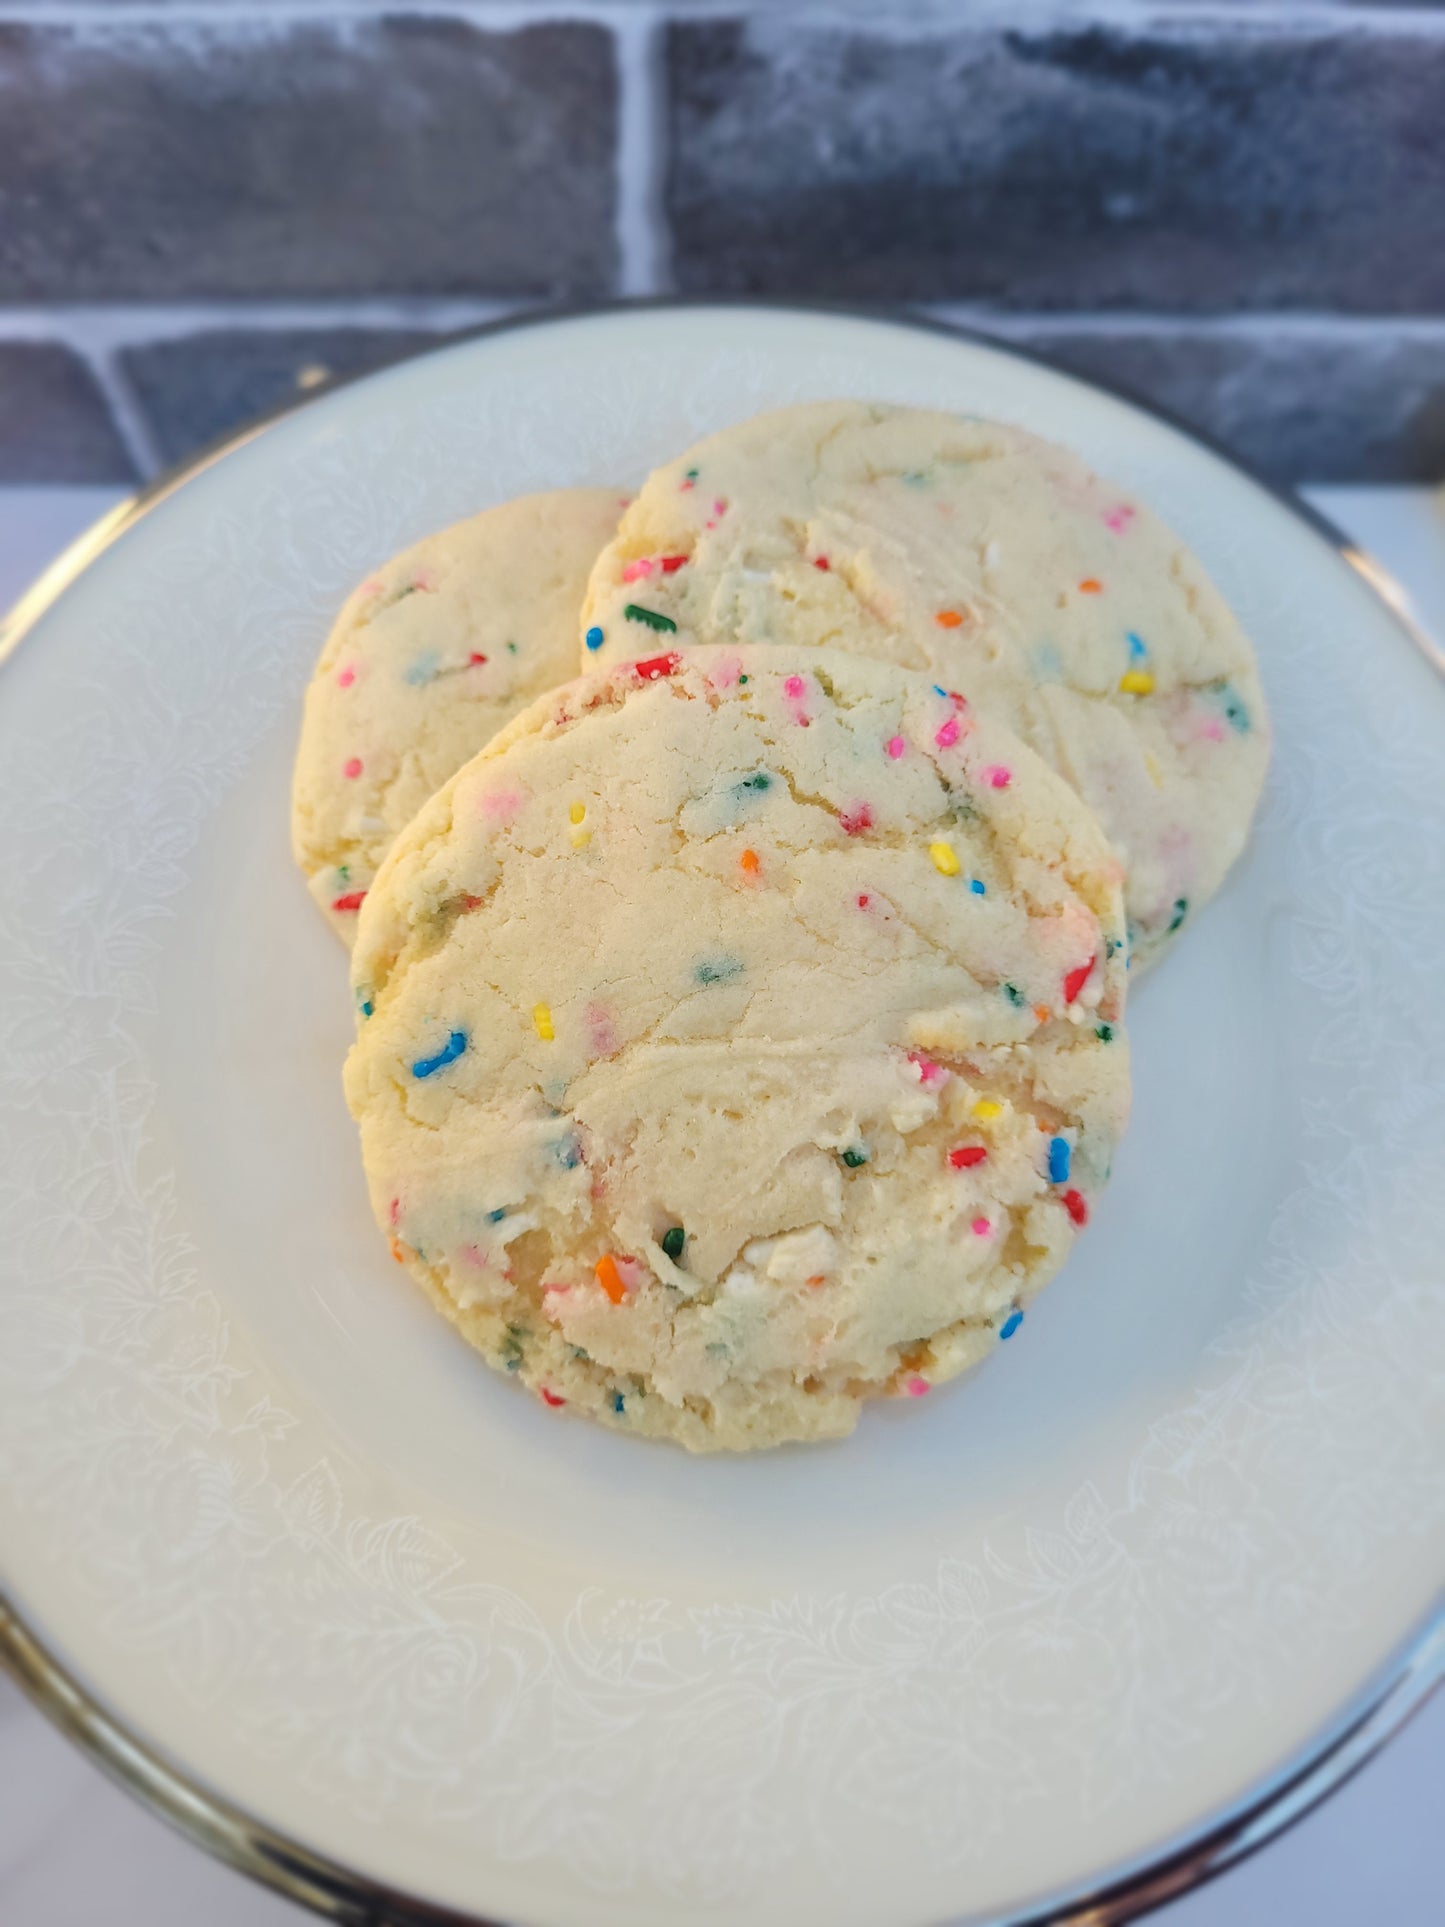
{"points": [[1060, 1155], [945, 860], [1011, 1324], [896, 747], [450, 1051], [594, 637], [542, 1022], [673, 1240], [610, 1278], [650, 618]]}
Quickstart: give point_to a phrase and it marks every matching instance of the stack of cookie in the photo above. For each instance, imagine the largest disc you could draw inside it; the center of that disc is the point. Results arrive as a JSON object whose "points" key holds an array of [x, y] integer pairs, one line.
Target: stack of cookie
{"points": [[741, 1024]]}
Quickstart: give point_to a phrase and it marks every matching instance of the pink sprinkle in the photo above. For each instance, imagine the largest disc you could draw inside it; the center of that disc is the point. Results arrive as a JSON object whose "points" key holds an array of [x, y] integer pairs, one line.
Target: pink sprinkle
{"points": [[719, 507], [372, 586], [551, 1294], [393, 1212], [725, 672], [896, 747], [996, 776], [686, 483], [928, 1071], [425, 580], [502, 805], [947, 733], [601, 1030], [1118, 519], [475, 1256], [981, 1227], [793, 687], [345, 677], [1213, 729], [351, 767], [916, 1387], [636, 570], [856, 820]]}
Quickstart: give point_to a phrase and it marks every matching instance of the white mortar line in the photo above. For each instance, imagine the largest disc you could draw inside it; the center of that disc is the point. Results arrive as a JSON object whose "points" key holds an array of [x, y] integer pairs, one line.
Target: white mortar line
{"points": [[126, 414], [923, 18], [641, 231]]}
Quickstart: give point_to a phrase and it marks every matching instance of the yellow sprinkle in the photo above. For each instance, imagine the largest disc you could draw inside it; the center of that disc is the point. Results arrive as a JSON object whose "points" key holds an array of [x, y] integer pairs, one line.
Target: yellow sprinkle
{"points": [[577, 812], [542, 1019], [1137, 682], [944, 860], [1156, 776], [580, 839], [986, 1107]]}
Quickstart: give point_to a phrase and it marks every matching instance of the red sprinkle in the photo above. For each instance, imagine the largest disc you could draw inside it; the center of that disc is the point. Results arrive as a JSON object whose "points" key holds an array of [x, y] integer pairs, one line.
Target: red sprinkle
{"points": [[820, 562], [966, 1156], [1076, 1207], [864, 901], [477, 656], [670, 564], [1076, 980], [656, 666], [353, 900], [550, 1398], [351, 767], [858, 819], [394, 1212]]}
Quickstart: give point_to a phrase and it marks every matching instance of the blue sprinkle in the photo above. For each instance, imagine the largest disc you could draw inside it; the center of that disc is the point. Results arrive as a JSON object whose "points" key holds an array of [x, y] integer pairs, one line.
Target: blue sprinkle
{"points": [[1011, 1324], [423, 669], [1137, 651], [940, 692], [1048, 664], [496, 1217], [718, 970], [1059, 1156], [618, 1404], [450, 1051], [566, 1151], [977, 888], [367, 1007], [594, 638]]}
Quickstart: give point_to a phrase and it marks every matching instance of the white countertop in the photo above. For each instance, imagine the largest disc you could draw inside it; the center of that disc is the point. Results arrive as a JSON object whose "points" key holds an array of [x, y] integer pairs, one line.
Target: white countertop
{"points": [[76, 1852]]}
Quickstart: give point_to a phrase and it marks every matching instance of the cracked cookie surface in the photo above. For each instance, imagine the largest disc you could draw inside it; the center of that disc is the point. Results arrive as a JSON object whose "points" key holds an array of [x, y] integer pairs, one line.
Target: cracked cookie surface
{"points": [[1000, 564], [430, 656], [740, 1037]]}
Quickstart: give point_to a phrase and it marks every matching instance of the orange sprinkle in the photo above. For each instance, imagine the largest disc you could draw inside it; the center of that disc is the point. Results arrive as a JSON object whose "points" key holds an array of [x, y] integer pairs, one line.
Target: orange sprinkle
{"points": [[949, 619], [1042, 1013], [396, 1250], [610, 1278], [1091, 585], [748, 862], [818, 1278]]}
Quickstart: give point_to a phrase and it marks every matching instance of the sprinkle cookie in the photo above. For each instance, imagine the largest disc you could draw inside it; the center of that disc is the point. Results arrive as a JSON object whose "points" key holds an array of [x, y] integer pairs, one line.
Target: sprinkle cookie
{"points": [[739, 1038], [984, 556], [428, 658]]}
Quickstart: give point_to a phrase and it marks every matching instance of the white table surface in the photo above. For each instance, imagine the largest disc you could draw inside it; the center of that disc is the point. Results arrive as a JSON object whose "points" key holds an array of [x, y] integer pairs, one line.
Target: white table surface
{"points": [[76, 1852]]}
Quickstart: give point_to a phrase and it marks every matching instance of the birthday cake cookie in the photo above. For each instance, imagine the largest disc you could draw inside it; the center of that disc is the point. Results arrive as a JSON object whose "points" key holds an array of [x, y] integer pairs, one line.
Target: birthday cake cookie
{"points": [[989, 559], [428, 658], [739, 1038]]}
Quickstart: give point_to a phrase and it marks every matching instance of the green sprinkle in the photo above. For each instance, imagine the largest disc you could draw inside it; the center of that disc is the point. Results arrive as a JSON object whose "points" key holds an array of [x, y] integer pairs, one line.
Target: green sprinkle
{"points": [[1181, 911], [693, 473], [343, 873], [854, 1156], [584, 1358], [673, 1240], [663, 624], [512, 1353], [511, 648], [718, 970], [759, 782], [1105, 1033], [741, 681], [1015, 996]]}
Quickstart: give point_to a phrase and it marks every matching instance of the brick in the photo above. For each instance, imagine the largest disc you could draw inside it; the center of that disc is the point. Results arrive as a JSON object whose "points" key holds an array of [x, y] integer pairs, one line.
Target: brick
{"points": [[222, 156], [1298, 404], [205, 385], [1176, 164], [55, 425]]}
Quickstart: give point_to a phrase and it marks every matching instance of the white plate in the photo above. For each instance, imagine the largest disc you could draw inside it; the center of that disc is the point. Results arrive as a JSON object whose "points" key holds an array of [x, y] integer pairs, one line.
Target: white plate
{"points": [[990, 1654]]}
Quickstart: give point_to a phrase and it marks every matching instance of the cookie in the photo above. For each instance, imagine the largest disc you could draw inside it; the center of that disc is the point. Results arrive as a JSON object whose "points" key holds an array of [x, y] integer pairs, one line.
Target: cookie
{"points": [[994, 561], [739, 1037], [428, 658]]}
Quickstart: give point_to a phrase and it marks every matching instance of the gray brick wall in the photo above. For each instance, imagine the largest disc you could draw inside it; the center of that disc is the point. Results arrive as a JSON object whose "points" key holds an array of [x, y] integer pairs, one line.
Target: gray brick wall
{"points": [[1235, 208]]}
